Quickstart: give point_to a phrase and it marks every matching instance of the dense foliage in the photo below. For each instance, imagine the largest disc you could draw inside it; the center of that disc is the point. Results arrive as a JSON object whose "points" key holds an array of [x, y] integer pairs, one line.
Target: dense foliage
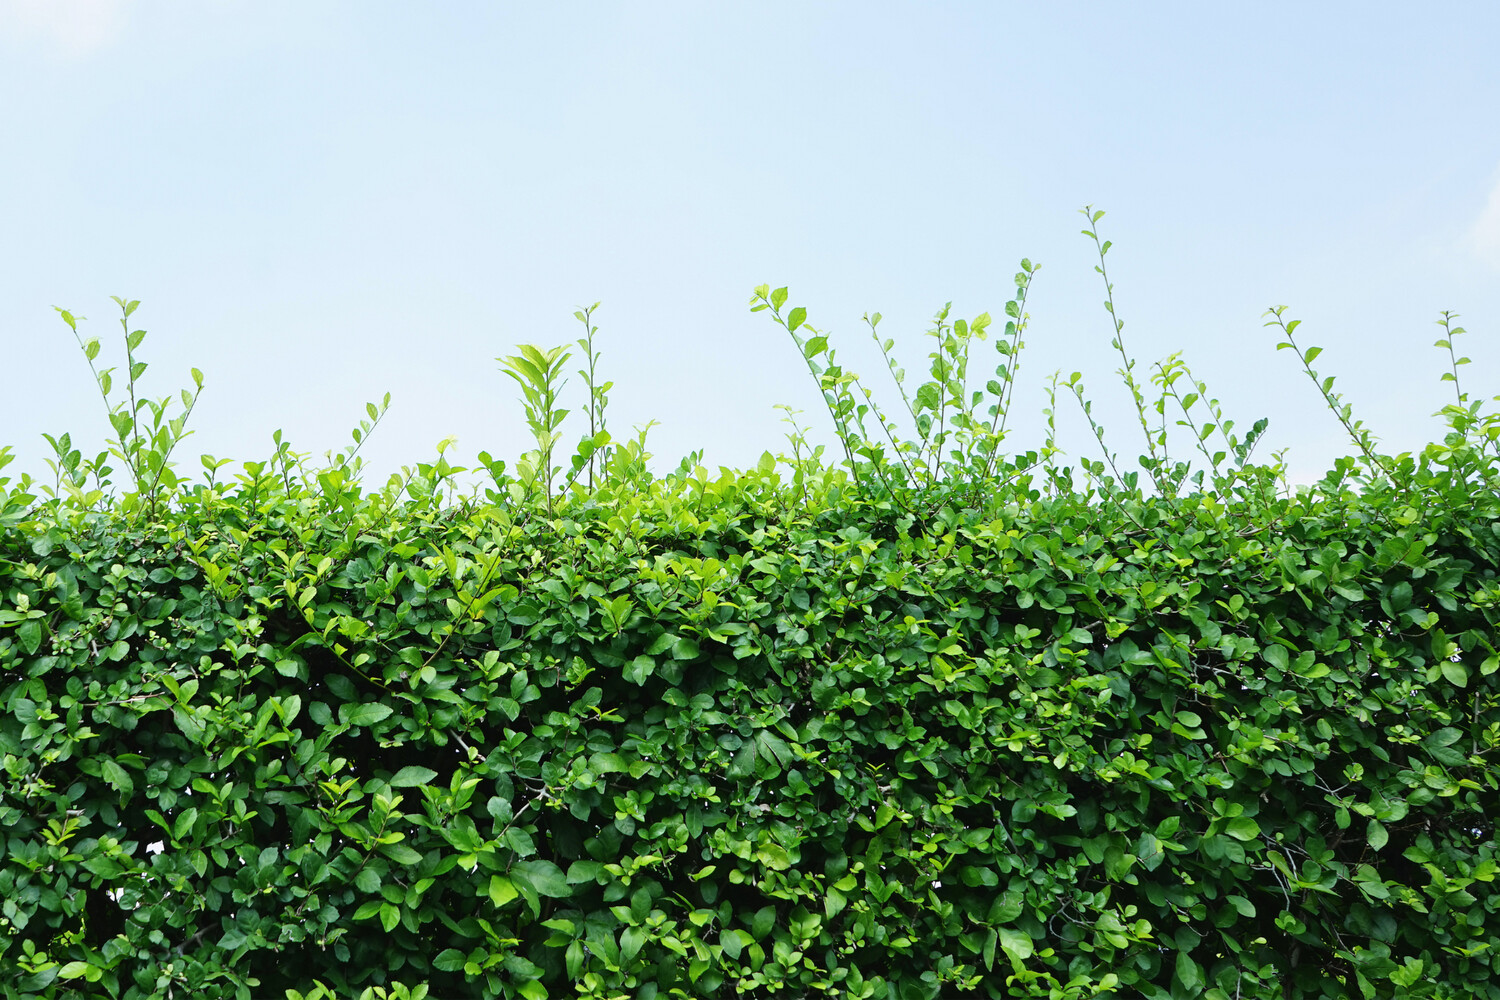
{"points": [[933, 721]]}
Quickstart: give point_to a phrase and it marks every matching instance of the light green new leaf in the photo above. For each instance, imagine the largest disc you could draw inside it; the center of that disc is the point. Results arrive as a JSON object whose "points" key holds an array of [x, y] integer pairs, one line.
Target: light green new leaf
{"points": [[774, 856], [501, 890]]}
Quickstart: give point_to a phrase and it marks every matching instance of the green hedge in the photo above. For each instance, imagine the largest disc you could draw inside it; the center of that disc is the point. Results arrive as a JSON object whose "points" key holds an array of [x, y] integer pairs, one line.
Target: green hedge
{"points": [[936, 718], [696, 741]]}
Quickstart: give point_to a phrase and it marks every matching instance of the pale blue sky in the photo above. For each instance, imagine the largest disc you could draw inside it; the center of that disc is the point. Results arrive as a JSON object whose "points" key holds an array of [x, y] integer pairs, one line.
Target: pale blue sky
{"points": [[319, 203]]}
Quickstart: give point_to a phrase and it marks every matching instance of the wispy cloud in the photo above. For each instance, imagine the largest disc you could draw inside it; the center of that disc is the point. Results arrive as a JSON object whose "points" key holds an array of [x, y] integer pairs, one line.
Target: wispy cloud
{"points": [[1486, 232], [73, 28]]}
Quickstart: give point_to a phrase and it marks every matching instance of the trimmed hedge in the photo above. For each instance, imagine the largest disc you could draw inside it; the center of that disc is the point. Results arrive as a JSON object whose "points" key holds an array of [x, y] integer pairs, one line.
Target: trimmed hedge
{"points": [[698, 740]]}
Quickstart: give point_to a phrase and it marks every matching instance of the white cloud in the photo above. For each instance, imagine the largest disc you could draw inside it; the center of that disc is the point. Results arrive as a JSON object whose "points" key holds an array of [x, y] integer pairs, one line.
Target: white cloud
{"points": [[1486, 232], [74, 28]]}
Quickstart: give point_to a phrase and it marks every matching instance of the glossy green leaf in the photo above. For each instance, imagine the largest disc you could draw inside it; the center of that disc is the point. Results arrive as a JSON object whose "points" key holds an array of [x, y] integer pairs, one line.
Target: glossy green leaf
{"points": [[367, 714], [501, 890], [413, 776]]}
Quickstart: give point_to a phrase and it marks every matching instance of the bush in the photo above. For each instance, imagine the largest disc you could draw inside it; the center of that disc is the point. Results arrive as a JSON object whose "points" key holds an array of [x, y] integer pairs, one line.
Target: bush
{"points": [[933, 720]]}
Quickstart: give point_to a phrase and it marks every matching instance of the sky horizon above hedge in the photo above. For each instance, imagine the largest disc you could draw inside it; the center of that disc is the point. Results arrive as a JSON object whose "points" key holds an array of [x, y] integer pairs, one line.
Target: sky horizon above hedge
{"points": [[393, 201]]}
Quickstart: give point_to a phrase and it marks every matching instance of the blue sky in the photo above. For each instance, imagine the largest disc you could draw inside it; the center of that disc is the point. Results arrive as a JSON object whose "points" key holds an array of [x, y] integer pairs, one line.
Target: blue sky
{"points": [[321, 203]]}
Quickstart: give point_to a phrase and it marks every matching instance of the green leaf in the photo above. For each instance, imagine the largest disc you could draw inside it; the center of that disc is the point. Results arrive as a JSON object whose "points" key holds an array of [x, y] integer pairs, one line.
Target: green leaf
{"points": [[774, 856], [1006, 908], [742, 765], [502, 891], [519, 840], [773, 748], [184, 823], [29, 633], [117, 777], [188, 723], [366, 714], [1349, 592], [545, 877], [1242, 828], [1188, 972], [1445, 737], [638, 670], [400, 853], [390, 916], [762, 922], [412, 776], [449, 960], [631, 941], [796, 318], [1376, 834], [1017, 944], [103, 866], [1242, 905], [1457, 673], [607, 763], [1149, 850]]}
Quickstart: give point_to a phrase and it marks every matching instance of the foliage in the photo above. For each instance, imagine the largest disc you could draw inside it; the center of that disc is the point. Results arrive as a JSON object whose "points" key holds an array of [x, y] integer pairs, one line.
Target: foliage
{"points": [[146, 449], [933, 721]]}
